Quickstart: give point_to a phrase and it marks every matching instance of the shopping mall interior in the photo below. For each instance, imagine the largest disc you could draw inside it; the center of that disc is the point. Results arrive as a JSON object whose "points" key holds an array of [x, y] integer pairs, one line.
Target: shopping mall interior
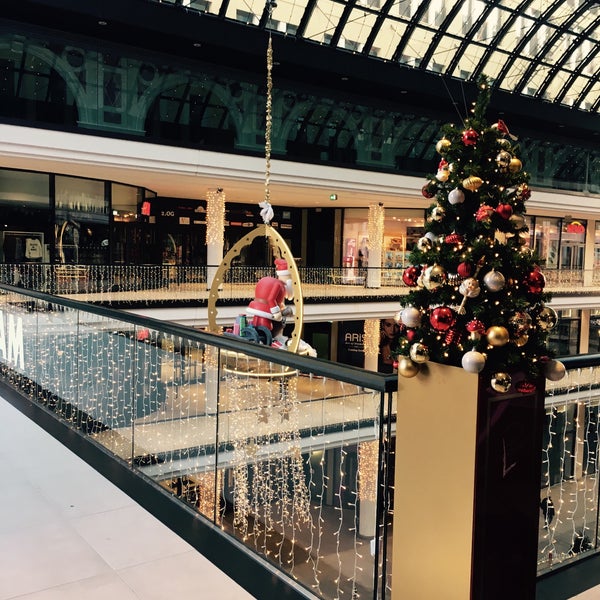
{"points": [[126, 126]]}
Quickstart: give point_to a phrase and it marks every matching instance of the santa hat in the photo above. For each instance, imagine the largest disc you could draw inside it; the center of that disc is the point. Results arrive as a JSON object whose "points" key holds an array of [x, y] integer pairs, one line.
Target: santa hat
{"points": [[281, 267]]}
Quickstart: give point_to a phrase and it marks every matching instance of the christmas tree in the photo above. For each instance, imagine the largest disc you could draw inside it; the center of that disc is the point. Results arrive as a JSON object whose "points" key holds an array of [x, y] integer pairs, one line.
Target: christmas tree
{"points": [[477, 297]]}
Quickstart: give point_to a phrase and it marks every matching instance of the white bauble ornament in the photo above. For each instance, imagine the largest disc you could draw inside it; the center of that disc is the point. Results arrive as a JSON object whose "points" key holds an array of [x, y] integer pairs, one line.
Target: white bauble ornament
{"points": [[501, 382], [517, 221], [411, 316], [554, 370], [431, 237], [494, 281], [437, 213], [424, 244], [473, 361], [442, 175], [456, 196]]}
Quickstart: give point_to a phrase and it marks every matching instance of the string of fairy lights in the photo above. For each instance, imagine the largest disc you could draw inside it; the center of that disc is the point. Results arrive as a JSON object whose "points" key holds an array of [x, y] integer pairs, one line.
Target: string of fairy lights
{"points": [[303, 508], [569, 518]]}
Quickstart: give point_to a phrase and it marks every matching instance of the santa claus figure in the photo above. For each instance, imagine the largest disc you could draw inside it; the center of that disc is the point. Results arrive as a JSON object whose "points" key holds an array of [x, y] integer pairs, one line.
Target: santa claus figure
{"points": [[270, 294]]}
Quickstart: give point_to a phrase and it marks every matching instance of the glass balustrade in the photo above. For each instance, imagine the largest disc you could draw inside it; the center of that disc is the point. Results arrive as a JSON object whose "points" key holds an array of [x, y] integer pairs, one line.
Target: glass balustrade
{"points": [[285, 454]]}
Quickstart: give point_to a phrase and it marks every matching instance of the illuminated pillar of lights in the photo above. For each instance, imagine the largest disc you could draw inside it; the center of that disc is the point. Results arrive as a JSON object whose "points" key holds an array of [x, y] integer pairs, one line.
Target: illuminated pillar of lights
{"points": [[371, 343], [367, 487], [375, 232], [215, 232]]}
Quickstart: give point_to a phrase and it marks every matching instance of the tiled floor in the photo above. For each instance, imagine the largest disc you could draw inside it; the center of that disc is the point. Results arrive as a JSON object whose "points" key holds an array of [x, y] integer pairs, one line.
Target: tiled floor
{"points": [[68, 533], [593, 594]]}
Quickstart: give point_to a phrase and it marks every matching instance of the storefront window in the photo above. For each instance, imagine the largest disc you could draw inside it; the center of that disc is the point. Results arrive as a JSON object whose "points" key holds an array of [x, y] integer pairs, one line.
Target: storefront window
{"points": [[547, 241], [24, 216], [564, 338], [401, 230], [81, 228], [594, 338], [572, 244], [597, 245]]}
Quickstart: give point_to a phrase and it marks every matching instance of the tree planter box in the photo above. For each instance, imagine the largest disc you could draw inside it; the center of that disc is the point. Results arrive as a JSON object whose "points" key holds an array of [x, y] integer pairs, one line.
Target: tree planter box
{"points": [[467, 488]]}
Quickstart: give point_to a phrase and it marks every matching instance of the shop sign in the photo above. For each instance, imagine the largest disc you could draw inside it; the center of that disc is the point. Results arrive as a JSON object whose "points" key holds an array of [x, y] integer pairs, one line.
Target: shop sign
{"points": [[575, 227], [11, 340]]}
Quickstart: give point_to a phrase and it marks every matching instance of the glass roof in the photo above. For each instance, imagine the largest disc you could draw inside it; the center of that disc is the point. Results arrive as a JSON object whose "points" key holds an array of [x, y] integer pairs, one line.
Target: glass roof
{"points": [[546, 49]]}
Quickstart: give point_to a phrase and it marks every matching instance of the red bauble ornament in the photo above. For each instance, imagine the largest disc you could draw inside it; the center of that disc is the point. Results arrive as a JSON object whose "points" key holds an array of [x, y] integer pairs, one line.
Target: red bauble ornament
{"points": [[410, 334], [442, 318], [476, 326], [535, 282], [523, 192], [411, 275], [443, 164], [484, 213], [428, 190], [465, 269], [504, 210], [469, 137]]}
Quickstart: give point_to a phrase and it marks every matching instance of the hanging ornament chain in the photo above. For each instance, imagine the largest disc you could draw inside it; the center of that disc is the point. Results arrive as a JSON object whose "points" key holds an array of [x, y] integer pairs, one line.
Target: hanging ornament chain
{"points": [[268, 117]]}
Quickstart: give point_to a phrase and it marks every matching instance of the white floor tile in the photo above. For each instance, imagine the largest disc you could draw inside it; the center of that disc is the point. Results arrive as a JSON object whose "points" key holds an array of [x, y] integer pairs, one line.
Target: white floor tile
{"points": [[67, 533]]}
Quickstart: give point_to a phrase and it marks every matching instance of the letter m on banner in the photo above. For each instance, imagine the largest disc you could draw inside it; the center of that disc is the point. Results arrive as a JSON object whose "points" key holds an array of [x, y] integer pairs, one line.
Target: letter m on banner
{"points": [[11, 340]]}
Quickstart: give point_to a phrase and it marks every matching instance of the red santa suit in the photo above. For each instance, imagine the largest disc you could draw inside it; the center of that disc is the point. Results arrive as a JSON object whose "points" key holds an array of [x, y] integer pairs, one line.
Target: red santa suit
{"points": [[270, 294]]}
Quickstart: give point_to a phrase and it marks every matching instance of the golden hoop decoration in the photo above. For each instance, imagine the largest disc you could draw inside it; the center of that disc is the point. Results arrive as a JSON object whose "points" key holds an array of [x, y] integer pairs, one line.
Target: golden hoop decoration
{"points": [[280, 247]]}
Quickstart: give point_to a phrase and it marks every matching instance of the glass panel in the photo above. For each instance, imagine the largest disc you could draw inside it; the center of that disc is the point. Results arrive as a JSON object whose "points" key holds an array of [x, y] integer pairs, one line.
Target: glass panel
{"points": [[25, 221], [443, 54], [515, 74], [417, 46], [594, 333], [572, 244], [272, 455], [570, 469], [246, 12], [494, 64], [357, 30], [557, 85], [469, 61], [557, 50], [388, 37], [323, 21], [593, 94], [24, 187], [564, 338], [532, 86], [547, 240], [81, 233]]}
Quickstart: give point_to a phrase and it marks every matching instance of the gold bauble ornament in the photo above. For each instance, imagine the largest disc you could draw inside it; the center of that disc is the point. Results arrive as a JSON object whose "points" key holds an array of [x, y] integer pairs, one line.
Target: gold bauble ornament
{"points": [[497, 335], [443, 146], [406, 367], [472, 183], [554, 370], [522, 340], [515, 165]]}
